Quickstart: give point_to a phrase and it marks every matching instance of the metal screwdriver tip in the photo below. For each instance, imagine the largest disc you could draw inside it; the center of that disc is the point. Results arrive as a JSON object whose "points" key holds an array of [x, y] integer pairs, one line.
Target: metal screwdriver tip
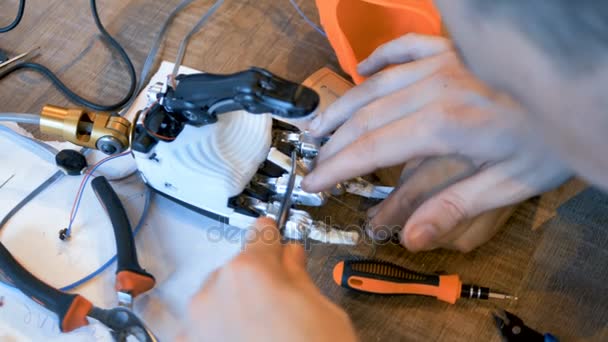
{"points": [[497, 295]]}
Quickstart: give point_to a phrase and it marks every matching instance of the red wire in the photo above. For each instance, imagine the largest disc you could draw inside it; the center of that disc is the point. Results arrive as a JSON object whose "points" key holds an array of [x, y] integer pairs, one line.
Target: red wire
{"points": [[84, 179]]}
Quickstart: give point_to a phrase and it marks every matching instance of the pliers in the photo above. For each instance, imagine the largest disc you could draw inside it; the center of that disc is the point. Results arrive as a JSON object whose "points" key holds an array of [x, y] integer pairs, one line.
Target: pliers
{"points": [[513, 329], [73, 309]]}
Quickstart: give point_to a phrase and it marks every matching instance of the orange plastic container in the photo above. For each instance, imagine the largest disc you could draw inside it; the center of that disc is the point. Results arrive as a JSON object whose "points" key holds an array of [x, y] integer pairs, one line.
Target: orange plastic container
{"points": [[355, 28]]}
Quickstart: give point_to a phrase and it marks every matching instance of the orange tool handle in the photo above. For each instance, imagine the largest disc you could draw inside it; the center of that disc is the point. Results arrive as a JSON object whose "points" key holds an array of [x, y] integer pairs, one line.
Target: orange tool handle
{"points": [[381, 277], [71, 309]]}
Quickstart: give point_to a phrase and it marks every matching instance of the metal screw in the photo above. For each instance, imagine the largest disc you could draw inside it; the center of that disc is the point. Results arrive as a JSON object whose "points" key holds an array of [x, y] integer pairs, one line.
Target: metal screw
{"points": [[109, 145], [190, 115], [516, 330]]}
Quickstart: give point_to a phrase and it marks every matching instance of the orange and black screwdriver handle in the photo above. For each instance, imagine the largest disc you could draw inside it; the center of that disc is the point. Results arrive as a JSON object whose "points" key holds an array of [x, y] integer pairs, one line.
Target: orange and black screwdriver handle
{"points": [[381, 277], [131, 278], [71, 309]]}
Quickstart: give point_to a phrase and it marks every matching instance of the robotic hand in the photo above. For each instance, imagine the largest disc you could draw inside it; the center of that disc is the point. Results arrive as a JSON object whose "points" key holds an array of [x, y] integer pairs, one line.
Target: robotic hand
{"points": [[198, 143]]}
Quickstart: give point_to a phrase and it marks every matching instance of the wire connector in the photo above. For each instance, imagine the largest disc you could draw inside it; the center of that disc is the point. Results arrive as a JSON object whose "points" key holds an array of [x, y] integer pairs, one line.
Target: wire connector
{"points": [[64, 234]]}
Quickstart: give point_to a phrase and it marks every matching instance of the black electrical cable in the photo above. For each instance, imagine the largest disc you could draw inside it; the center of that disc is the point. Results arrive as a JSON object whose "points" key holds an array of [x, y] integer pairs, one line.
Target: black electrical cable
{"points": [[72, 96], [17, 18]]}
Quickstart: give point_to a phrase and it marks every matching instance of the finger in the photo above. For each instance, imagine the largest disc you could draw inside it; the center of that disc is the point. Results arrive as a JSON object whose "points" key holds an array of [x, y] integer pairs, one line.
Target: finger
{"points": [[409, 169], [379, 85], [479, 230], [390, 216], [294, 257], [420, 180], [405, 49], [263, 238], [503, 184], [405, 139], [373, 211], [380, 113]]}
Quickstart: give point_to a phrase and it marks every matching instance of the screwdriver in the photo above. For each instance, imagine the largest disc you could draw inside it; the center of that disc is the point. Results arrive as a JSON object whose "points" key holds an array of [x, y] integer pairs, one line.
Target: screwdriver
{"points": [[380, 277]]}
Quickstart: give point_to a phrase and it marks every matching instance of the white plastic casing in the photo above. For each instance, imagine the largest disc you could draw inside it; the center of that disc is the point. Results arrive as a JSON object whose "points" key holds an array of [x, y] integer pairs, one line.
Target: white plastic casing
{"points": [[206, 166]]}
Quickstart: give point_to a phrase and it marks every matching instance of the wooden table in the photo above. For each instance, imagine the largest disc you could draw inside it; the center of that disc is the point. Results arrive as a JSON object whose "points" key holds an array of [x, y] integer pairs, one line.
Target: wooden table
{"points": [[558, 271]]}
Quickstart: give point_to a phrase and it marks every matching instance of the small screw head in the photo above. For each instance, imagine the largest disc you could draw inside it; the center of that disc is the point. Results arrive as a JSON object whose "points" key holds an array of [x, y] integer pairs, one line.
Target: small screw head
{"points": [[190, 115], [109, 145], [63, 234], [108, 149], [268, 85]]}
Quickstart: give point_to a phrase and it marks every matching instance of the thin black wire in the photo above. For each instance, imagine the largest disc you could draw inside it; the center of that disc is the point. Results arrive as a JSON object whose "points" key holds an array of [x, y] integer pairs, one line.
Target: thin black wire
{"points": [[17, 18], [72, 96]]}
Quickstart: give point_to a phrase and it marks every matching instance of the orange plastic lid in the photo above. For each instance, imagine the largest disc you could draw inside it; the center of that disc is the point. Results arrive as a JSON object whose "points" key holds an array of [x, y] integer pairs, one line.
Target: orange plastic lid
{"points": [[355, 28]]}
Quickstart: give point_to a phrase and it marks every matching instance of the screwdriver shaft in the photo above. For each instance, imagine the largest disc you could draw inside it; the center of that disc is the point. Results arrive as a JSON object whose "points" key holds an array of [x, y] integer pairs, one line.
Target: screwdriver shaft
{"points": [[479, 292], [497, 295]]}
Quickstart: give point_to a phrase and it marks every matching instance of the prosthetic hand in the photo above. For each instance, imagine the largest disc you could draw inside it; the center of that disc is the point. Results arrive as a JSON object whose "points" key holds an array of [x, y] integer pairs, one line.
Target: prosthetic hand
{"points": [[220, 145]]}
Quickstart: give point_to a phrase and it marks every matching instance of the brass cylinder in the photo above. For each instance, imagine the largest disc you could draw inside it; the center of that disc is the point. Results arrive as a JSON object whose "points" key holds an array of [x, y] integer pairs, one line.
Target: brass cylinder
{"points": [[86, 128]]}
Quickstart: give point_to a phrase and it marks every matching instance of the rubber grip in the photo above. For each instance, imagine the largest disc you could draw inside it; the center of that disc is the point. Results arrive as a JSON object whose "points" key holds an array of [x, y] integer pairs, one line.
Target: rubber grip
{"points": [[379, 277], [71, 309], [126, 253]]}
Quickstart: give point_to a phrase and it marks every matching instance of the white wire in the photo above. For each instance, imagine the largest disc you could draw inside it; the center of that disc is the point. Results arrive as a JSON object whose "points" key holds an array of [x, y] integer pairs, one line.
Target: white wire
{"points": [[184, 44], [42, 149], [24, 118], [153, 53], [306, 19]]}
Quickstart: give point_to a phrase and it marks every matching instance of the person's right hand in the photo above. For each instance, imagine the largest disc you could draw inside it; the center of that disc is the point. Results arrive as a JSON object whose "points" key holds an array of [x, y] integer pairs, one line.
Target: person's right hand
{"points": [[265, 294], [429, 105]]}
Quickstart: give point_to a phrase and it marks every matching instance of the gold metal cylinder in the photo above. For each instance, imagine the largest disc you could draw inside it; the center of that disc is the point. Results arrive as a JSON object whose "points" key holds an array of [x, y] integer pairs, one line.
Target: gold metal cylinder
{"points": [[88, 129]]}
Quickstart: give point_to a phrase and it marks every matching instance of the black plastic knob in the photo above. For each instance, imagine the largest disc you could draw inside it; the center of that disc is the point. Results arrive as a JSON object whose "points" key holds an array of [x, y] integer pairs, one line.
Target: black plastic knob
{"points": [[73, 162]]}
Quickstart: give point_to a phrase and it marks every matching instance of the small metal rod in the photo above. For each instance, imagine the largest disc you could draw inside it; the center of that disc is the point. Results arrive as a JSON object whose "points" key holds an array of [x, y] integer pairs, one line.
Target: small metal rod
{"points": [[286, 201]]}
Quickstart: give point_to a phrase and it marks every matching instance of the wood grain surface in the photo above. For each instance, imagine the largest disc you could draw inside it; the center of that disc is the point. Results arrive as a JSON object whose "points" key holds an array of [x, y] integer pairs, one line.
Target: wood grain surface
{"points": [[558, 270]]}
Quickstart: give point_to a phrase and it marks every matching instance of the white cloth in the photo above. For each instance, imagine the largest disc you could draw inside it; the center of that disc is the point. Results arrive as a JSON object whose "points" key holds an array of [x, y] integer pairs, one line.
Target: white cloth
{"points": [[179, 247]]}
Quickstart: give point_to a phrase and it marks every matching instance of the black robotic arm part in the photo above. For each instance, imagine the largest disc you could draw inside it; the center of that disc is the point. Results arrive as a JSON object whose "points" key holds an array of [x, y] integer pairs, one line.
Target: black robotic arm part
{"points": [[199, 98]]}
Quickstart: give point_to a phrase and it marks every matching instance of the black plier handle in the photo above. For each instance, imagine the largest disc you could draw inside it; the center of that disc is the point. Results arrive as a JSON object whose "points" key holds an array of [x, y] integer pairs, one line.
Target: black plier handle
{"points": [[72, 309], [131, 278]]}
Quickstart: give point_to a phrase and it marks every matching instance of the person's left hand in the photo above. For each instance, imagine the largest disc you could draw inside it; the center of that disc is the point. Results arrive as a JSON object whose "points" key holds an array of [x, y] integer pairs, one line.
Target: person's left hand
{"points": [[265, 294], [417, 182], [419, 103]]}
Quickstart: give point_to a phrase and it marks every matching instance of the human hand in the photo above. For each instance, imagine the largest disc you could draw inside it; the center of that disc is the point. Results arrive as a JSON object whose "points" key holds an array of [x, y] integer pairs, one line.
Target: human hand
{"points": [[429, 105], [265, 294], [418, 181]]}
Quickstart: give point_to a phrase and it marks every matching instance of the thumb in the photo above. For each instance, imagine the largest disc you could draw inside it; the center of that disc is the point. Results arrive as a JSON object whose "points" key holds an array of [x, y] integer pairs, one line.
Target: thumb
{"points": [[294, 260], [294, 257], [501, 185], [408, 48], [263, 238]]}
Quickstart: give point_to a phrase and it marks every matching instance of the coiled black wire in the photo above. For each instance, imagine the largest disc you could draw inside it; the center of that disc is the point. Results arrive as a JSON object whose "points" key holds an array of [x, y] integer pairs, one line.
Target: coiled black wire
{"points": [[71, 95], [17, 18]]}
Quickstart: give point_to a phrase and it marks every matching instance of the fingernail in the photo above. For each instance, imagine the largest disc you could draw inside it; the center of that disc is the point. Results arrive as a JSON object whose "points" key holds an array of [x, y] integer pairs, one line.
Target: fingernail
{"points": [[373, 211], [315, 124], [421, 236], [307, 181]]}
